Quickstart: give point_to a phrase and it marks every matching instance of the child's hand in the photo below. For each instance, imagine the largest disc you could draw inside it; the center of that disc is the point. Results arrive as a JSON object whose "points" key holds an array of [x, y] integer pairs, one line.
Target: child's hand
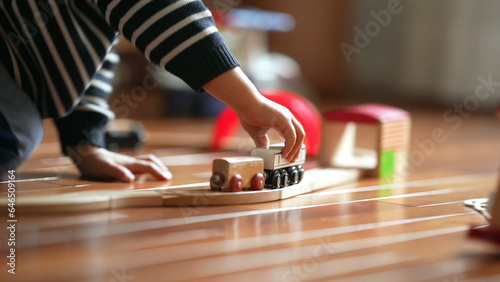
{"points": [[270, 115], [257, 113], [99, 163]]}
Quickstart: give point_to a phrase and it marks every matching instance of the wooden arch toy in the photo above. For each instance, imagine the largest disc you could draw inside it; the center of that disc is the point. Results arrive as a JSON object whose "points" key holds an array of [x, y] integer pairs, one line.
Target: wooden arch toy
{"points": [[392, 140], [305, 112]]}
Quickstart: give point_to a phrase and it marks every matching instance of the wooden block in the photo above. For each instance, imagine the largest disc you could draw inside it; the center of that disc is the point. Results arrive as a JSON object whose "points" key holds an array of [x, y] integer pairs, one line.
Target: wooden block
{"points": [[393, 148]]}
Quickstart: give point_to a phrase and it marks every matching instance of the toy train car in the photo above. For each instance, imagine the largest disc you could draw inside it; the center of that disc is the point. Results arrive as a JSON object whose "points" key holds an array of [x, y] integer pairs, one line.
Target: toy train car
{"points": [[265, 168]]}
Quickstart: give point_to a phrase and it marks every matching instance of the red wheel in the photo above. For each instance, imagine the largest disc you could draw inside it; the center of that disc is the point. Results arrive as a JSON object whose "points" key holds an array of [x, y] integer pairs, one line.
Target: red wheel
{"points": [[258, 181], [217, 180], [236, 183]]}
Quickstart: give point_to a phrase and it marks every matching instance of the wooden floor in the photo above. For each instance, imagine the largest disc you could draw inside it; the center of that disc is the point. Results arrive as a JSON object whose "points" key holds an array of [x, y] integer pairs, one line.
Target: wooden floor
{"points": [[414, 230]]}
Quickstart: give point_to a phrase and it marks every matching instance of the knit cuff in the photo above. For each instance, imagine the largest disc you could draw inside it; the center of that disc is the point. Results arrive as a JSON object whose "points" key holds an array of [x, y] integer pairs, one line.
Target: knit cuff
{"points": [[201, 63]]}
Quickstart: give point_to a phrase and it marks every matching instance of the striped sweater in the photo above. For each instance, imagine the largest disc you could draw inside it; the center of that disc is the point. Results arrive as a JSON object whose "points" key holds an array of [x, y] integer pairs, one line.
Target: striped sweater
{"points": [[60, 52]]}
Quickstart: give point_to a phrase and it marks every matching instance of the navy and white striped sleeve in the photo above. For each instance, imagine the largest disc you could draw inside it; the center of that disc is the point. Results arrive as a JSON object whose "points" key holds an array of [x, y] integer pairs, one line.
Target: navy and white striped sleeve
{"points": [[87, 122], [180, 36]]}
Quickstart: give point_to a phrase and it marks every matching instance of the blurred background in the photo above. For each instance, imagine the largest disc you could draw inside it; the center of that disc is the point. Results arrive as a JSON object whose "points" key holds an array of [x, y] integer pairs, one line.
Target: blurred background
{"points": [[404, 53]]}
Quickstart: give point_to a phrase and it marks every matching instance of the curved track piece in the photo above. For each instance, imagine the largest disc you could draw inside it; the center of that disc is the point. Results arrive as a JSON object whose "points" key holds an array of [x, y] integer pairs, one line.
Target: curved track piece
{"points": [[198, 194]]}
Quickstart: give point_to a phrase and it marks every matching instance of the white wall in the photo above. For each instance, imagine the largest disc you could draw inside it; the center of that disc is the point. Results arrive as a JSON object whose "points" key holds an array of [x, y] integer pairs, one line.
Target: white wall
{"points": [[431, 49]]}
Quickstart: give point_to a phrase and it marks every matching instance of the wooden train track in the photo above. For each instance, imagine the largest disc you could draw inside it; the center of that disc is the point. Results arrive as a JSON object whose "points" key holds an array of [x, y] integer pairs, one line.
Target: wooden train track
{"points": [[197, 194]]}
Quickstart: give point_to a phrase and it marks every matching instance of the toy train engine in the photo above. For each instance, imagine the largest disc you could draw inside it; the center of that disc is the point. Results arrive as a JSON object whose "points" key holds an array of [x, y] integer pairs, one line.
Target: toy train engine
{"points": [[264, 168], [278, 171], [237, 173]]}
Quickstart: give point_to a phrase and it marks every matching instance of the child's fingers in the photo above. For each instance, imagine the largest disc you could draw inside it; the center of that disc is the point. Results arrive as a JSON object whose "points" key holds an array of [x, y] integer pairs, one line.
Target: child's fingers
{"points": [[142, 166], [118, 172], [294, 138], [262, 141], [299, 139], [261, 138], [290, 135], [154, 159], [257, 133]]}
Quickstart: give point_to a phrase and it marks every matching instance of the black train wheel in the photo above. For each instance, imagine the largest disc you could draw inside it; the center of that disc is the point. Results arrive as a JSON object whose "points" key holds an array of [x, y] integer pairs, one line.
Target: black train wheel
{"points": [[293, 175], [273, 179], [301, 172], [285, 179]]}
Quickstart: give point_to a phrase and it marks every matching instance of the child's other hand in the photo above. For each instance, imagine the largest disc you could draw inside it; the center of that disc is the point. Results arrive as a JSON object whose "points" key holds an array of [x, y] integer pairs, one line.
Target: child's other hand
{"points": [[270, 115], [99, 163]]}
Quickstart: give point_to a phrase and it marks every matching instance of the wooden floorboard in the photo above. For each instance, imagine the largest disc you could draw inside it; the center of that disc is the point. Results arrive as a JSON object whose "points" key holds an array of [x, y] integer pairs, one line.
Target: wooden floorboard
{"points": [[366, 230]]}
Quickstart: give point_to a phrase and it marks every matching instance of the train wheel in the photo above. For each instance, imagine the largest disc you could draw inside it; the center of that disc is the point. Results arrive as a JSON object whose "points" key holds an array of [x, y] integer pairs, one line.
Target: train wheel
{"points": [[301, 172], [258, 181], [293, 174], [285, 178], [275, 179], [217, 180], [236, 183], [267, 177]]}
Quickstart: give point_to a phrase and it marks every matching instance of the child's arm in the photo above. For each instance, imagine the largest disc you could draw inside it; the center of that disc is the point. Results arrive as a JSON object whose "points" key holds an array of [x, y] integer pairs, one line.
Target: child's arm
{"points": [[257, 114], [184, 41]]}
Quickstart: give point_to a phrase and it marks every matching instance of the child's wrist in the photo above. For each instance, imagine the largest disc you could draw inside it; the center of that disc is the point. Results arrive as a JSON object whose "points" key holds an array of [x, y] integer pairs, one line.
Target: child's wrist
{"points": [[248, 106], [235, 90], [78, 151]]}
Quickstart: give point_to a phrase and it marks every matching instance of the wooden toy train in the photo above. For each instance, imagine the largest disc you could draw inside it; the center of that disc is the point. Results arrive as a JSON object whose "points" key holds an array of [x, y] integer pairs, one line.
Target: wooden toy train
{"points": [[264, 168]]}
